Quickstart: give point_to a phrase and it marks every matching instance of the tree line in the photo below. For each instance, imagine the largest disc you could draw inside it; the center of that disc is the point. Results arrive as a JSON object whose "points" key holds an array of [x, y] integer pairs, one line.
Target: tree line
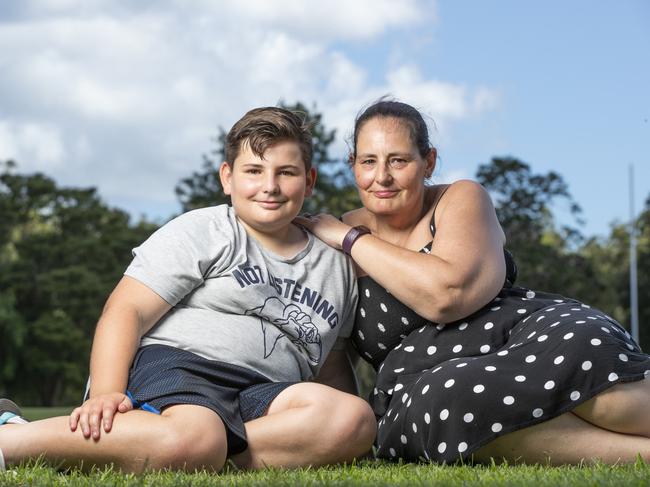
{"points": [[63, 249]]}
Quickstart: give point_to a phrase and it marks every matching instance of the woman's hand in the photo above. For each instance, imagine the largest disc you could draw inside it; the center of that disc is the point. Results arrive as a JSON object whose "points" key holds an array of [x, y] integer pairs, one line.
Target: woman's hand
{"points": [[98, 411], [330, 230]]}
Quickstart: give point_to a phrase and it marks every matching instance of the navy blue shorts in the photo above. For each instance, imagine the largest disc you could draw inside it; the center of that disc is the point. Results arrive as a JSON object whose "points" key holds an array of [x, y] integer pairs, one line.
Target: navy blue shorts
{"points": [[163, 376]]}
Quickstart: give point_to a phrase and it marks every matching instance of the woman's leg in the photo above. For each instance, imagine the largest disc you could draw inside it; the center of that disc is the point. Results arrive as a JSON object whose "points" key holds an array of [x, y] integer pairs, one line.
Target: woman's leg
{"points": [[612, 427], [622, 408], [309, 424], [183, 437]]}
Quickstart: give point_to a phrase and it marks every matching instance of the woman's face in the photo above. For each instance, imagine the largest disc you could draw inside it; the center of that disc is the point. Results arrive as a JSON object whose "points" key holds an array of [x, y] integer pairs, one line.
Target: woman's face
{"points": [[388, 168]]}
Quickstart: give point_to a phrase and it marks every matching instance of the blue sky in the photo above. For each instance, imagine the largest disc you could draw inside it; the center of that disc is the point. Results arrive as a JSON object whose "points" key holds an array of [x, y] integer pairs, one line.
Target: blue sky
{"points": [[125, 96]]}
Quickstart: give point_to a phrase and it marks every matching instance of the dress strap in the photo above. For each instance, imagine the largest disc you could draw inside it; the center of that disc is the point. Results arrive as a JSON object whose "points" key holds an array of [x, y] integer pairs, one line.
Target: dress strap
{"points": [[511, 269], [432, 223]]}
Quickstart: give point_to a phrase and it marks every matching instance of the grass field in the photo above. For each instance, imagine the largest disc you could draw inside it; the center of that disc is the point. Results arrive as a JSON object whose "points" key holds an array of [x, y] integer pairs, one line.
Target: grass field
{"points": [[365, 473], [32, 414]]}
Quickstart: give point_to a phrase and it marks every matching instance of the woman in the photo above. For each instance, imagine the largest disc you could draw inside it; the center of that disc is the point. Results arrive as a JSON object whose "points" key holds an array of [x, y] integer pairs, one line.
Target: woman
{"points": [[469, 366]]}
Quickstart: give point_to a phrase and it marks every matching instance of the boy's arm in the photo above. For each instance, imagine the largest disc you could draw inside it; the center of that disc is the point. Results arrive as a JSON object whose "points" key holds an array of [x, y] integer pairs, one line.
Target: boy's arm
{"points": [[337, 372], [130, 311]]}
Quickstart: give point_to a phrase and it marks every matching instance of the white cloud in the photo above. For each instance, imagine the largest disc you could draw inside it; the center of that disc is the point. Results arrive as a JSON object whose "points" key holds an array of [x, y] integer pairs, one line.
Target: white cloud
{"points": [[332, 20], [447, 101], [126, 96], [41, 143], [441, 103]]}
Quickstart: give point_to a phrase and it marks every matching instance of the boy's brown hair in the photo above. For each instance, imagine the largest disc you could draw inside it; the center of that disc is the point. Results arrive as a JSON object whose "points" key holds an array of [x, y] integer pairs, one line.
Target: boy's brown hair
{"points": [[263, 127]]}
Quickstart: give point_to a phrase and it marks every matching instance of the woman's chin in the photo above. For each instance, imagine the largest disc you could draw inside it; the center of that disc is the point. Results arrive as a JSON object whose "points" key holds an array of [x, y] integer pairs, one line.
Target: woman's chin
{"points": [[383, 206]]}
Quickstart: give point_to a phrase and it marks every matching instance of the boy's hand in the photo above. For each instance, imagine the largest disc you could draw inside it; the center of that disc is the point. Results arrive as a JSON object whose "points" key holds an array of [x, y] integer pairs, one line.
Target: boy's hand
{"points": [[98, 411]]}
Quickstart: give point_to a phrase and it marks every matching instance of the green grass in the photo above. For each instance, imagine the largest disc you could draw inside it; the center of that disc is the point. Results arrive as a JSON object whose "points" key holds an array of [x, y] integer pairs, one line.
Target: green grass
{"points": [[365, 473], [32, 414]]}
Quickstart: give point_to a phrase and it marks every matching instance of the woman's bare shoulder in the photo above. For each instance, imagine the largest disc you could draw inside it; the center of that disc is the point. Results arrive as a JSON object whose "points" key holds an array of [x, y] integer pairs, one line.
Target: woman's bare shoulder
{"points": [[356, 217], [464, 189]]}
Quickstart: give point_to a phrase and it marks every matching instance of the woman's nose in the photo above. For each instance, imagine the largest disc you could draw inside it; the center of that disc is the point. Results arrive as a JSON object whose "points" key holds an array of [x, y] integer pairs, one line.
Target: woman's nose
{"points": [[383, 175]]}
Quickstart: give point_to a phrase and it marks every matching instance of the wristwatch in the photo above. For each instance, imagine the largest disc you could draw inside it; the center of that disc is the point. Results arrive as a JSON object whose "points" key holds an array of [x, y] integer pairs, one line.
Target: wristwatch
{"points": [[352, 236]]}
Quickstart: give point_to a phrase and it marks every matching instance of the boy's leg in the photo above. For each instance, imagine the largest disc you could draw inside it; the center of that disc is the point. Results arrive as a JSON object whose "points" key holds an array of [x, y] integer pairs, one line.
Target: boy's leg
{"points": [[183, 437], [309, 424]]}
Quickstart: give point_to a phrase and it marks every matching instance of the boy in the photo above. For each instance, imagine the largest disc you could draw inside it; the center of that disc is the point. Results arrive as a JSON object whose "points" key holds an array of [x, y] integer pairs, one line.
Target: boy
{"points": [[220, 315]]}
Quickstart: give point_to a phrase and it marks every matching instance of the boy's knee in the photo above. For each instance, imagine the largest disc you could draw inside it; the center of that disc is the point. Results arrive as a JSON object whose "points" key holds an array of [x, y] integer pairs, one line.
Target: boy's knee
{"points": [[191, 448], [352, 426], [363, 425]]}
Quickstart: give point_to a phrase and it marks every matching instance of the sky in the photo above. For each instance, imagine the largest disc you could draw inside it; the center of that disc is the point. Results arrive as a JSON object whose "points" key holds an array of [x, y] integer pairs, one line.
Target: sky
{"points": [[127, 95]]}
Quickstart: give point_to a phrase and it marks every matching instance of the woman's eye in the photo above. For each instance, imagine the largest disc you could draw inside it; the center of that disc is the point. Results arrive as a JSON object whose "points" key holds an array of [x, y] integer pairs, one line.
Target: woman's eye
{"points": [[397, 162], [367, 161]]}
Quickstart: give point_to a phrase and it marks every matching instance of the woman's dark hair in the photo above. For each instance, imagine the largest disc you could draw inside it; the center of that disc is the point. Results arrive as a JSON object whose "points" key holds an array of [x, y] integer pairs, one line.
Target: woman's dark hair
{"points": [[388, 108]]}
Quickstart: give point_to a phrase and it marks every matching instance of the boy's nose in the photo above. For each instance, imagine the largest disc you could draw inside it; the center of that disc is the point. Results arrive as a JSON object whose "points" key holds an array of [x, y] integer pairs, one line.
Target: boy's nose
{"points": [[271, 185]]}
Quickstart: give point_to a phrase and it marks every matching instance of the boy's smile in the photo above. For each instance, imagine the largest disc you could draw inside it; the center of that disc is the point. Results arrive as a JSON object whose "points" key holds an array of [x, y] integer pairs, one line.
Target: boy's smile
{"points": [[267, 193]]}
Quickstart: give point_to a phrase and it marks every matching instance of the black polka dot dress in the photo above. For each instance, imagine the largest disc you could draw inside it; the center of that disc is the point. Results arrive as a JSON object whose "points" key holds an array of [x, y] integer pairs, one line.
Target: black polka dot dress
{"points": [[445, 390]]}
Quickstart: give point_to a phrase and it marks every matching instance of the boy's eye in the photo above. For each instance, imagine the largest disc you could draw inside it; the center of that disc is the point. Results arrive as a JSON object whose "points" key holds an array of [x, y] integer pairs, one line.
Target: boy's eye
{"points": [[287, 172], [253, 171]]}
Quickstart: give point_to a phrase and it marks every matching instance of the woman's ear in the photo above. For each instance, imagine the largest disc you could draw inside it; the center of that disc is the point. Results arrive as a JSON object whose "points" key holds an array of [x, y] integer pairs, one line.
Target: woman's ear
{"points": [[431, 162], [225, 175]]}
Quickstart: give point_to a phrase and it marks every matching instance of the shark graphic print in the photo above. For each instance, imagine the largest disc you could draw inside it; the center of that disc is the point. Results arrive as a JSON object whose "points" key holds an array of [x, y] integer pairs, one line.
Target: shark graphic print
{"points": [[293, 323]]}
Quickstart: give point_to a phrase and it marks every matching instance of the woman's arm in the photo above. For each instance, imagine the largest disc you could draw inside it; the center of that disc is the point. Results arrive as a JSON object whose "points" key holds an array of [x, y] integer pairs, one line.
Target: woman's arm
{"points": [[464, 270], [130, 311]]}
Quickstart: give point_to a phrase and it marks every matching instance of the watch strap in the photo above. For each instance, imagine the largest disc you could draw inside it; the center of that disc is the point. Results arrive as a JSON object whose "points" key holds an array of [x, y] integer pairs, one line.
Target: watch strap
{"points": [[352, 236]]}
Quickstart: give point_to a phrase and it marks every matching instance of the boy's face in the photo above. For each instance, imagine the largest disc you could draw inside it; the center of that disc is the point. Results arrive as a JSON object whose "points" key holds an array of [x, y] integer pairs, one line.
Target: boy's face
{"points": [[267, 194]]}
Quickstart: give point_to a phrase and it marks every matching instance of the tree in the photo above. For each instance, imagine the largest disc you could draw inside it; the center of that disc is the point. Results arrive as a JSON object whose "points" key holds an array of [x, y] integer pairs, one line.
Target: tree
{"points": [[546, 254], [12, 331], [61, 252], [334, 193], [203, 188], [643, 265], [619, 245], [611, 258], [594, 270]]}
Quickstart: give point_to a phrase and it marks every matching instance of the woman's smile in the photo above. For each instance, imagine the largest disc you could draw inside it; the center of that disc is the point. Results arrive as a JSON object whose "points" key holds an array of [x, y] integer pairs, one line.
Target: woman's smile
{"points": [[385, 193]]}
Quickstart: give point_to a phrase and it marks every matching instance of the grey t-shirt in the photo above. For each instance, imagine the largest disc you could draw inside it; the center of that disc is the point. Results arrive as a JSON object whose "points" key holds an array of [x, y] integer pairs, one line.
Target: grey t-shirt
{"points": [[236, 302]]}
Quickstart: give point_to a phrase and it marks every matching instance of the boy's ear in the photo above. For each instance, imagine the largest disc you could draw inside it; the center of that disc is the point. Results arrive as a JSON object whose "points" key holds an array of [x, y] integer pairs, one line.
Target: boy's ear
{"points": [[225, 175], [311, 181]]}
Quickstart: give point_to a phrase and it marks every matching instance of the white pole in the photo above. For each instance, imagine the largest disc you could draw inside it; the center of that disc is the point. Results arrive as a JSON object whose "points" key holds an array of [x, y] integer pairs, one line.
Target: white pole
{"points": [[634, 305]]}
